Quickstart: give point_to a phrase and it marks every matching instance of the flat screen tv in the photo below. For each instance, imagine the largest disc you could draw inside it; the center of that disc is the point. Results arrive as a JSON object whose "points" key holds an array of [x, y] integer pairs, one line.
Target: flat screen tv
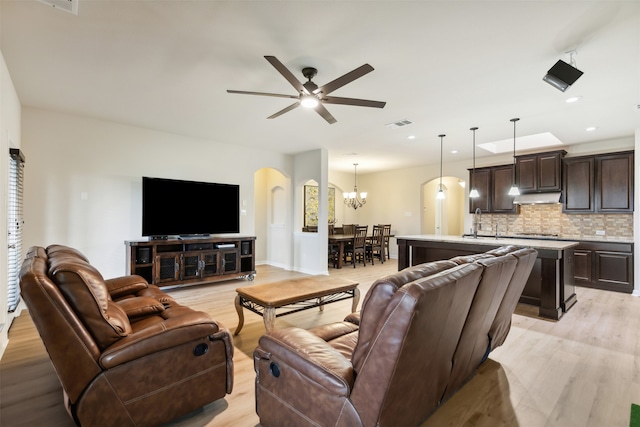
{"points": [[173, 207]]}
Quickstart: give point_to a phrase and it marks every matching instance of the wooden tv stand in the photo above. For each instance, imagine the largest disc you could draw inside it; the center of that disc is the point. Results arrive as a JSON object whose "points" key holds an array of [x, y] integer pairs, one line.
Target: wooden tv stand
{"points": [[192, 260]]}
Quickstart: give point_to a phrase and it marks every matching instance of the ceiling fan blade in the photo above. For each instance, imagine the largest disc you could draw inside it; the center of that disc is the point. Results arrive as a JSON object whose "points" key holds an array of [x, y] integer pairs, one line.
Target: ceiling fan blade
{"points": [[286, 74], [325, 113], [277, 95], [353, 101], [284, 110], [343, 80]]}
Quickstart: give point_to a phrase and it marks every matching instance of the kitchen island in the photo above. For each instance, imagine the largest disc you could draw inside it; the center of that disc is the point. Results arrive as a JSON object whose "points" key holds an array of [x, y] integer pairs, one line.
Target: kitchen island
{"points": [[550, 285]]}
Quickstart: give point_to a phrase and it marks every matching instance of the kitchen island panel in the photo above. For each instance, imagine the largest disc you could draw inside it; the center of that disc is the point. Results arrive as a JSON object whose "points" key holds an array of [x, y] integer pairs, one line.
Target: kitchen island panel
{"points": [[551, 283]]}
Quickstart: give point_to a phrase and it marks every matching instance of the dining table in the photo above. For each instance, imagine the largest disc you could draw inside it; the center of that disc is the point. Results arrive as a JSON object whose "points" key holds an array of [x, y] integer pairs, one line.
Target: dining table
{"points": [[341, 240]]}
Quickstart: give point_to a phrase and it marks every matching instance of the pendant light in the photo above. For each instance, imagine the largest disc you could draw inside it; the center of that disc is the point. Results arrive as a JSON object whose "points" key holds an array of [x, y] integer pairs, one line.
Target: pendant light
{"points": [[514, 191], [473, 194], [440, 195]]}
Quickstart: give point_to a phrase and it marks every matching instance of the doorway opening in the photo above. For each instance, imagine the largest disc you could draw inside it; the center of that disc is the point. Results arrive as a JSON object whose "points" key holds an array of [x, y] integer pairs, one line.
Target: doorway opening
{"points": [[444, 216]]}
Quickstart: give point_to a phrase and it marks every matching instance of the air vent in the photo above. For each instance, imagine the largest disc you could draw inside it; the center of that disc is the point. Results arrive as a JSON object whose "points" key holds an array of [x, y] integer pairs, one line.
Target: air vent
{"points": [[399, 124], [70, 6]]}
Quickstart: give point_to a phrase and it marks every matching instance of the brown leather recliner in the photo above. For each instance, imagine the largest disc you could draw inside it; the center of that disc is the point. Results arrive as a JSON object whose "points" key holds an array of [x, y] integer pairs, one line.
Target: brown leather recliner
{"points": [[125, 352], [421, 334]]}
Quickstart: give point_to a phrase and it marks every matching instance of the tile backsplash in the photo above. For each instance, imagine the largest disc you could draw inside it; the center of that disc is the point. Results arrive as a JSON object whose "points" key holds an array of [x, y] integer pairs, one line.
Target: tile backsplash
{"points": [[548, 219]]}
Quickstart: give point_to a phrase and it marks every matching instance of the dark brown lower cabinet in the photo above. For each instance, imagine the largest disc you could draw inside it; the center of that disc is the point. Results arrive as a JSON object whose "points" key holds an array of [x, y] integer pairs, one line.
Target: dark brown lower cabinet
{"points": [[604, 265]]}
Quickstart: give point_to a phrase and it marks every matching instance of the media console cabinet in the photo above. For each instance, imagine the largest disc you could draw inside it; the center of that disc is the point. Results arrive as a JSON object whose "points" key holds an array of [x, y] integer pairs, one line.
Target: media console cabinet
{"points": [[178, 261]]}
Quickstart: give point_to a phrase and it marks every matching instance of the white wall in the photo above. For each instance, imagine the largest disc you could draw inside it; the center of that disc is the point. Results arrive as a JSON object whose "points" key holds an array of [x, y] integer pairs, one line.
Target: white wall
{"points": [[83, 180], [10, 137], [310, 249]]}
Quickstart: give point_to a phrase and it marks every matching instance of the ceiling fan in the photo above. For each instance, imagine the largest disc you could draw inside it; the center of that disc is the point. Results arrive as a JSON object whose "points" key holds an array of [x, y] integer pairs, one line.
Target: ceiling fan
{"points": [[310, 95]]}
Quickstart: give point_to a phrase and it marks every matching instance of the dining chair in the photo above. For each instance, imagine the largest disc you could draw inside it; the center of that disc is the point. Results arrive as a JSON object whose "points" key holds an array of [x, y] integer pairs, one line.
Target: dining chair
{"points": [[386, 235], [357, 250], [333, 249], [349, 228], [375, 244]]}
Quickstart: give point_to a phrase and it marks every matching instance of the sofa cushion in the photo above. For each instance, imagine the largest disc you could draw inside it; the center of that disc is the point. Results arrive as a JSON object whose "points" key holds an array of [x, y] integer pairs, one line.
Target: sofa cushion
{"points": [[503, 250], [465, 259], [502, 323], [84, 288], [474, 341], [404, 373], [378, 297], [62, 250]]}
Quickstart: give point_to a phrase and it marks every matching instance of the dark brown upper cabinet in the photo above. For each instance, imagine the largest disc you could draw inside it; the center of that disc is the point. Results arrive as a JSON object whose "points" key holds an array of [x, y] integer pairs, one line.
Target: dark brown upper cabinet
{"points": [[502, 181], [579, 179], [540, 172], [614, 182], [481, 179], [493, 184], [598, 184]]}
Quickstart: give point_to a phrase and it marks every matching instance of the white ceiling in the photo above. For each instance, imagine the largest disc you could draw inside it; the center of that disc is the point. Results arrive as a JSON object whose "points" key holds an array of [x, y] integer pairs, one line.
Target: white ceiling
{"points": [[444, 65]]}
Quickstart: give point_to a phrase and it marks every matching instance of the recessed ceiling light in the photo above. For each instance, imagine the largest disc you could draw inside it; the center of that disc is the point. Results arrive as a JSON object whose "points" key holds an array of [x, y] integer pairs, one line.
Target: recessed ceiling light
{"points": [[591, 128], [573, 99], [454, 151], [411, 137]]}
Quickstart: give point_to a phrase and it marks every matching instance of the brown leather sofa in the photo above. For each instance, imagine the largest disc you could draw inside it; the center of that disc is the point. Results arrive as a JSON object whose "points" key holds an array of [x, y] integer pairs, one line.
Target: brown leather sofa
{"points": [[125, 352], [421, 335]]}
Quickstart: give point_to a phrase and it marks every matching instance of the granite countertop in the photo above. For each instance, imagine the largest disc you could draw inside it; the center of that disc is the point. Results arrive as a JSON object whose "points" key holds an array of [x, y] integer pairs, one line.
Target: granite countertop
{"points": [[493, 241]]}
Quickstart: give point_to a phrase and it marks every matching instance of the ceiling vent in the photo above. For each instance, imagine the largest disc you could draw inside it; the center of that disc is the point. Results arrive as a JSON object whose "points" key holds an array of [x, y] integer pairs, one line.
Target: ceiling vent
{"points": [[399, 124], [70, 6]]}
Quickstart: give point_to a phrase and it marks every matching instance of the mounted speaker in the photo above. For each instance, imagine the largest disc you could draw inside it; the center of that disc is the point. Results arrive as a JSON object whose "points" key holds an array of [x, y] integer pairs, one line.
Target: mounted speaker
{"points": [[144, 256], [245, 248], [562, 75]]}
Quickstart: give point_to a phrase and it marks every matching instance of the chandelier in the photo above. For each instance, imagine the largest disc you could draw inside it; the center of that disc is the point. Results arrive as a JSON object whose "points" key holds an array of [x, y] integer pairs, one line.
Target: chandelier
{"points": [[351, 199]]}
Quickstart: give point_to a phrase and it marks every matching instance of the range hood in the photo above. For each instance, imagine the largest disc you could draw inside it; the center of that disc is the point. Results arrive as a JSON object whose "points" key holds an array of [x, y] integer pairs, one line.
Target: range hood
{"points": [[537, 198]]}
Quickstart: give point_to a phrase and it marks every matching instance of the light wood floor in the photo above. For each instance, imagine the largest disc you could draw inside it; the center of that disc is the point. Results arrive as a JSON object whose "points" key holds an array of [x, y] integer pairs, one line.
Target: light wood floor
{"points": [[583, 370]]}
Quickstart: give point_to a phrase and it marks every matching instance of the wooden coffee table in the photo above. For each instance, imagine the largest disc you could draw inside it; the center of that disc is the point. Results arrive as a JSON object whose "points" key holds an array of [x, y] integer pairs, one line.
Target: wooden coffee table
{"points": [[292, 296]]}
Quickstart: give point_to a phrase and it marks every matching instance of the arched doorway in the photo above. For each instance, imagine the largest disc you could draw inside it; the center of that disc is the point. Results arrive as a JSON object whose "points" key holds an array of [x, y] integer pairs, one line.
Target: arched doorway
{"points": [[272, 196], [444, 217]]}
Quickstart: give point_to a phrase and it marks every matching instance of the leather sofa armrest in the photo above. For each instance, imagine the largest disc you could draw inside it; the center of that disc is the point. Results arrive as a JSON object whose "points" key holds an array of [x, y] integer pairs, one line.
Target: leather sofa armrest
{"points": [[353, 318], [119, 287], [310, 356], [157, 336], [140, 306]]}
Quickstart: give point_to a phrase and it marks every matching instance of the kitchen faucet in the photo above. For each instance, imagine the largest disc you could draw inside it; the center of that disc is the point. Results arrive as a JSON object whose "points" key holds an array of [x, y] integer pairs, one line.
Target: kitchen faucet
{"points": [[477, 225]]}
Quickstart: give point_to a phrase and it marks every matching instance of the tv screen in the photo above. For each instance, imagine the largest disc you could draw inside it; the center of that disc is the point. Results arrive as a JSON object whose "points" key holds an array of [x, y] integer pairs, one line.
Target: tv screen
{"points": [[186, 208]]}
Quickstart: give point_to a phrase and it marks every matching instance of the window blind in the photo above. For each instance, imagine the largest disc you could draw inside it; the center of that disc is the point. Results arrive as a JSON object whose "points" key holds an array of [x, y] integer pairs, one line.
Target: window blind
{"points": [[15, 226]]}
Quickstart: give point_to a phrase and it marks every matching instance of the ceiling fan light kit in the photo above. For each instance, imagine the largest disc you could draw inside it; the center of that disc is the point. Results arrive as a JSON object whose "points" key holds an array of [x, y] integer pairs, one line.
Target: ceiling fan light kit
{"points": [[310, 95], [309, 101]]}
